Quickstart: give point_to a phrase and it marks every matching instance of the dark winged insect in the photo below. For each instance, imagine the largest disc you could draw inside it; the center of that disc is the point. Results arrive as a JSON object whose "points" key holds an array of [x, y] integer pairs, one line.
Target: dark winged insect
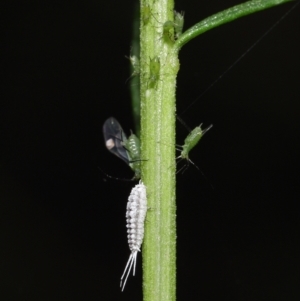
{"points": [[126, 149]]}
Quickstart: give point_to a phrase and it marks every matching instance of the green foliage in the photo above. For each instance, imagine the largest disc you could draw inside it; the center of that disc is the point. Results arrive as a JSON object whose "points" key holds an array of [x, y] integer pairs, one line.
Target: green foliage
{"points": [[158, 90]]}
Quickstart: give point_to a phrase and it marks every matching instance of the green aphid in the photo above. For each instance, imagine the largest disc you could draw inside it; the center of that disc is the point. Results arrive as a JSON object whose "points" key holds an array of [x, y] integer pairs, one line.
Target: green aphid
{"points": [[135, 64], [190, 142], [154, 68], [178, 23], [146, 14], [173, 29], [133, 147], [168, 31]]}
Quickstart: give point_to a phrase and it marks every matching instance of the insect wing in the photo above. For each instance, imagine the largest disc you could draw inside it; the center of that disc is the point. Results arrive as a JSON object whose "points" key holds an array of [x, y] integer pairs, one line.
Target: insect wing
{"points": [[114, 138]]}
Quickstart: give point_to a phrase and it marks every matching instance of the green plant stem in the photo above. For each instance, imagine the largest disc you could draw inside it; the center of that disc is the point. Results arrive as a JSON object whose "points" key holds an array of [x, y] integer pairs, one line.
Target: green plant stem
{"points": [[158, 148], [159, 66], [225, 16], [135, 82]]}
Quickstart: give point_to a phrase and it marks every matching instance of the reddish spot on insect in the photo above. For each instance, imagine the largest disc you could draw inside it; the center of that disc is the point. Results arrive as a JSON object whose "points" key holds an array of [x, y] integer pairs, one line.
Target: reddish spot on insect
{"points": [[126, 149]]}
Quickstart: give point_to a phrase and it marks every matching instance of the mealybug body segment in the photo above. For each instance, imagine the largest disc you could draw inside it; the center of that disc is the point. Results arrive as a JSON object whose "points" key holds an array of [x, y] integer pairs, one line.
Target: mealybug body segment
{"points": [[135, 217], [118, 144]]}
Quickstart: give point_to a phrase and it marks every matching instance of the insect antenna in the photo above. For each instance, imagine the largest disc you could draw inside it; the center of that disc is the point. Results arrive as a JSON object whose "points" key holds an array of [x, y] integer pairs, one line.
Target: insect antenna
{"points": [[183, 123], [206, 129]]}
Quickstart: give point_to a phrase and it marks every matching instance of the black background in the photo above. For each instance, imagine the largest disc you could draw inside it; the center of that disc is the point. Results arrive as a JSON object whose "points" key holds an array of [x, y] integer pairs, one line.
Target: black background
{"points": [[63, 223]]}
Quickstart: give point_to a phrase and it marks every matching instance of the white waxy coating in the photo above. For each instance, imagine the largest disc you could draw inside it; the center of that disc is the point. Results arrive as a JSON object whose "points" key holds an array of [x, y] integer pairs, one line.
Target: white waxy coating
{"points": [[135, 217]]}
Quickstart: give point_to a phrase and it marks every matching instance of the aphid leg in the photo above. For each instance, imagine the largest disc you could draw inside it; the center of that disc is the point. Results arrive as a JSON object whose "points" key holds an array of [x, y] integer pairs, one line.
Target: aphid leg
{"points": [[135, 66], [179, 148], [137, 160], [131, 261], [184, 167], [115, 178], [190, 161], [179, 158]]}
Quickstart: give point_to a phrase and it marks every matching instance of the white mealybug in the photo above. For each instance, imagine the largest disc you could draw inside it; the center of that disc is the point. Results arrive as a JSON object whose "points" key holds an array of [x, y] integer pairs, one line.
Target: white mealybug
{"points": [[135, 217]]}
